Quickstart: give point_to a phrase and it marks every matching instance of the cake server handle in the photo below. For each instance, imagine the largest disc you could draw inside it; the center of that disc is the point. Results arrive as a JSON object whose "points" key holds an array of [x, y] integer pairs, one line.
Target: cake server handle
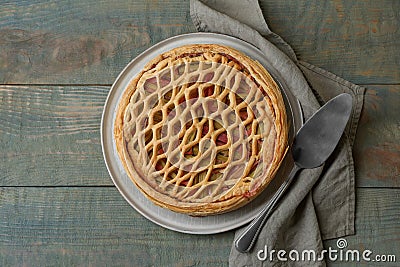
{"points": [[247, 238]]}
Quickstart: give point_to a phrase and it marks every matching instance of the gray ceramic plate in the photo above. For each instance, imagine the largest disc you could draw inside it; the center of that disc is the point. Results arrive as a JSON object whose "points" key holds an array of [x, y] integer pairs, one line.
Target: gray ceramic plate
{"points": [[163, 217]]}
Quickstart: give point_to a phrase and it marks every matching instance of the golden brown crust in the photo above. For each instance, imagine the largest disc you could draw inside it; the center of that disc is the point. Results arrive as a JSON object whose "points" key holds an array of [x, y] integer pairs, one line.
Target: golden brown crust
{"points": [[235, 195]]}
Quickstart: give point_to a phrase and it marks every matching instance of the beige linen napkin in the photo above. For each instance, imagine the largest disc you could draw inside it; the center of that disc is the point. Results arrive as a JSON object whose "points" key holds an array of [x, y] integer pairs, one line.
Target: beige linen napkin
{"points": [[320, 204]]}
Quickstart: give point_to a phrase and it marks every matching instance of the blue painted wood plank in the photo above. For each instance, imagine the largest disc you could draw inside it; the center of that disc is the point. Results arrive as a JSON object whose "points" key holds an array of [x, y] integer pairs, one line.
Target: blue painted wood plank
{"points": [[84, 226]]}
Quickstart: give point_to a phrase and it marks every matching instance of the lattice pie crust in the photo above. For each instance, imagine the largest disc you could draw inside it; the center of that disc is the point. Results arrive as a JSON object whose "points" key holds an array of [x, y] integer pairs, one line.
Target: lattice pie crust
{"points": [[202, 129]]}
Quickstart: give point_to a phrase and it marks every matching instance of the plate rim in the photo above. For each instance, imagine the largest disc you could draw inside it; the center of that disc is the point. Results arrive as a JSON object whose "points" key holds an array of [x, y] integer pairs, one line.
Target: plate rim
{"points": [[175, 41]]}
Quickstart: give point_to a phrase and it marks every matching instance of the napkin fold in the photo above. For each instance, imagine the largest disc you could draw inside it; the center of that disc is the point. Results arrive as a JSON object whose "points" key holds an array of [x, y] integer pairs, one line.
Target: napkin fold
{"points": [[320, 203]]}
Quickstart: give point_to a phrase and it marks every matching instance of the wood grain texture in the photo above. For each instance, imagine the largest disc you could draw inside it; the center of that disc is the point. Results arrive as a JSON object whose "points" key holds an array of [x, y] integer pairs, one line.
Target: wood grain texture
{"points": [[95, 226], [377, 143], [50, 136], [377, 226], [74, 42], [357, 40], [81, 42]]}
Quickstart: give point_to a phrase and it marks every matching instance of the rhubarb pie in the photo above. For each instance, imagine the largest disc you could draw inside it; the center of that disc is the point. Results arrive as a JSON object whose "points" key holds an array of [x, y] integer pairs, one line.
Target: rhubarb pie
{"points": [[202, 129]]}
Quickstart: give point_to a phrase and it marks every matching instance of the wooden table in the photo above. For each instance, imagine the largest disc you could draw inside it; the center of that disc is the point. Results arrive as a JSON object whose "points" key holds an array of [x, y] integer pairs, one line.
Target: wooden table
{"points": [[58, 59]]}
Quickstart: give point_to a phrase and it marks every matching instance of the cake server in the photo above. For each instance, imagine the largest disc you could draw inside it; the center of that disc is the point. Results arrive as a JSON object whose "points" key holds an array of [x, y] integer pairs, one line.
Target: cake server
{"points": [[312, 145]]}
